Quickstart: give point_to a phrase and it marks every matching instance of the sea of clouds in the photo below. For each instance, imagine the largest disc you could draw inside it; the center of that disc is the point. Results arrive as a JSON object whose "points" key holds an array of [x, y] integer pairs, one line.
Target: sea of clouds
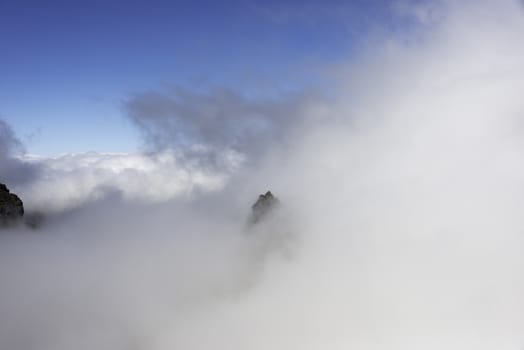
{"points": [[401, 223]]}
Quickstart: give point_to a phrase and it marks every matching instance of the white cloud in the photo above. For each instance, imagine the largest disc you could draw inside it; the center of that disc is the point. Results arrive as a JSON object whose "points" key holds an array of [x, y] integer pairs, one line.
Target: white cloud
{"points": [[70, 180]]}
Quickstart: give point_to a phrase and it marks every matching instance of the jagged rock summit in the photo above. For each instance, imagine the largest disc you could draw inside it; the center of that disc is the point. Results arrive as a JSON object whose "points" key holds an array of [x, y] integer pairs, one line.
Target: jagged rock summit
{"points": [[263, 206], [11, 206]]}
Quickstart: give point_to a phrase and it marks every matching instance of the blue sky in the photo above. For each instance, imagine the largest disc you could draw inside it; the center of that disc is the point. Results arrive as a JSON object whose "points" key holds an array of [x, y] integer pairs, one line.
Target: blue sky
{"points": [[66, 67]]}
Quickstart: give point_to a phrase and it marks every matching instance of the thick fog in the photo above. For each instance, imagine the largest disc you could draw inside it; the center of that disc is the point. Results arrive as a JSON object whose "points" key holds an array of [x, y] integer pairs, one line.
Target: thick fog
{"points": [[400, 225]]}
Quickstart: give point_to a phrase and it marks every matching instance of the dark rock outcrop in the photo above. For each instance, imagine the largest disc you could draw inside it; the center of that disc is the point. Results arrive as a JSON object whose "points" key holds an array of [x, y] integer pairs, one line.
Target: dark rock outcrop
{"points": [[11, 207], [264, 205]]}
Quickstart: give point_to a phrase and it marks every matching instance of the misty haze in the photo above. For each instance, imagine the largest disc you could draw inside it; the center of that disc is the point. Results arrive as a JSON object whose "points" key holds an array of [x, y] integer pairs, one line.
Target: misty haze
{"points": [[262, 175]]}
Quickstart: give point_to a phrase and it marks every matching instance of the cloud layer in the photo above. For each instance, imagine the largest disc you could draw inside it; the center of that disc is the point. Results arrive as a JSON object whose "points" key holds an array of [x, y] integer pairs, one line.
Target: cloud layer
{"points": [[69, 181]]}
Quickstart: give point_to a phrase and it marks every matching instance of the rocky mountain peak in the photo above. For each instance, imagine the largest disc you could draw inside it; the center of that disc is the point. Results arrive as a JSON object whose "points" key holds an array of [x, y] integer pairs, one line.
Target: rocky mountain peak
{"points": [[11, 206], [263, 206]]}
